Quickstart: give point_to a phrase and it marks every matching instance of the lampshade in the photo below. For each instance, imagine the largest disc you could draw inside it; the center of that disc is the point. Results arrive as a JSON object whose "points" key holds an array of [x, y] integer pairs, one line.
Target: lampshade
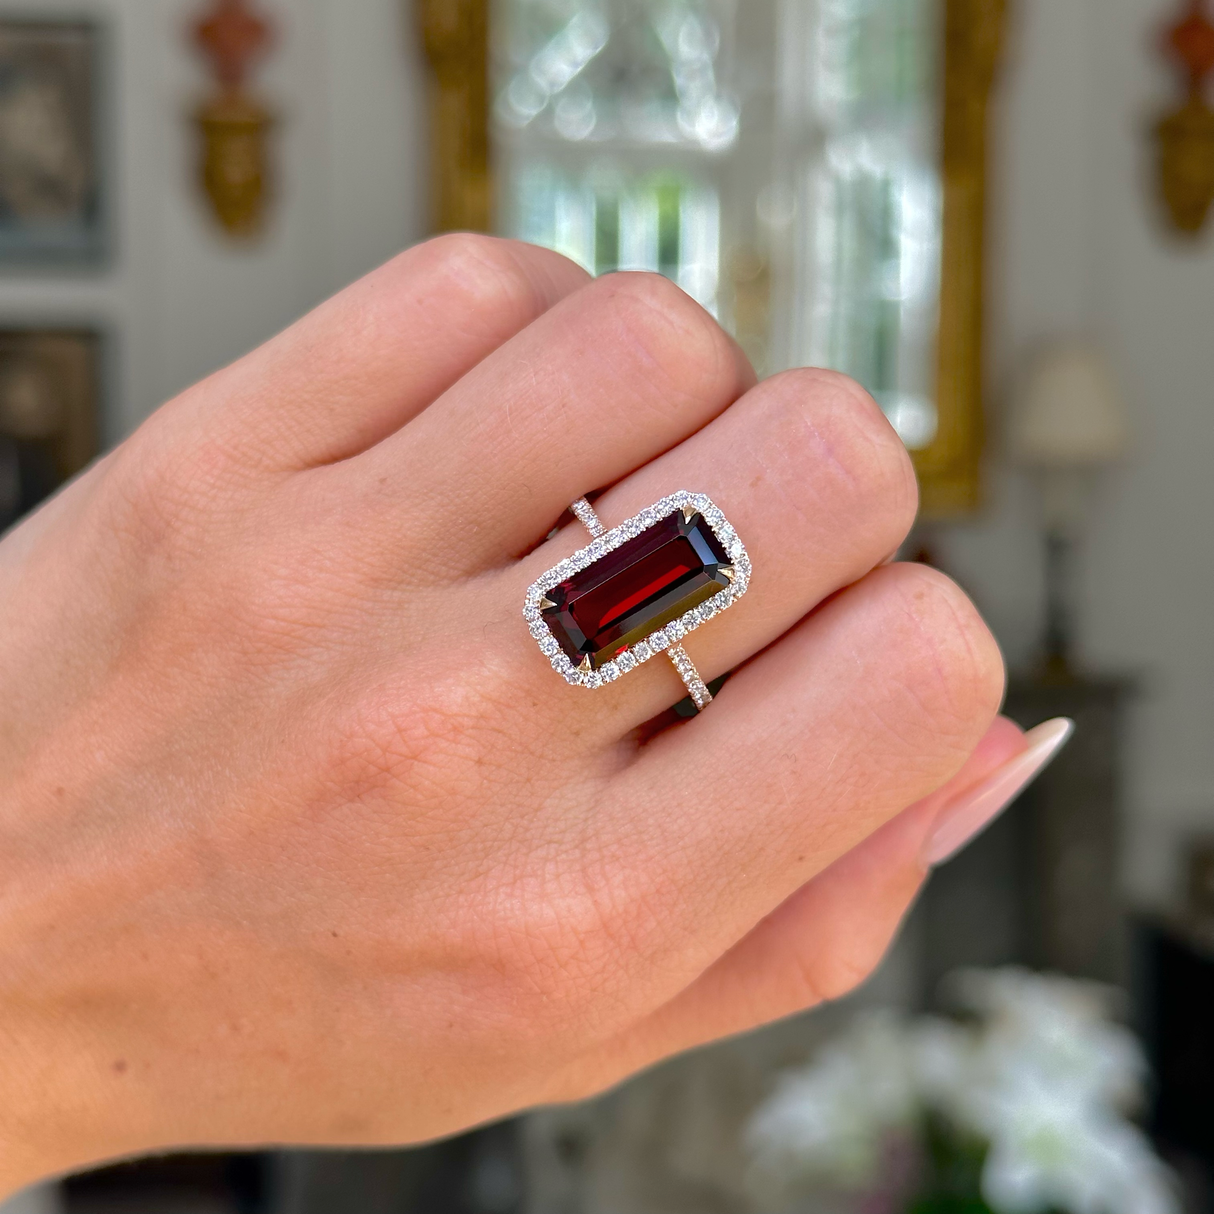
{"points": [[1069, 412]]}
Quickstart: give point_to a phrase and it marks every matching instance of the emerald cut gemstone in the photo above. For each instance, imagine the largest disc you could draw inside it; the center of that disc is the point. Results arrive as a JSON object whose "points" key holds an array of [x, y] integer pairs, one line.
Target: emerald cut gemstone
{"points": [[637, 589]]}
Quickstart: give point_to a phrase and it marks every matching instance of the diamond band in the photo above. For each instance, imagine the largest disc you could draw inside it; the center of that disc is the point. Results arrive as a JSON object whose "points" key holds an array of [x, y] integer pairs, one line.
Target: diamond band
{"points": [[701, 697], [588, 517], [638, 590]]}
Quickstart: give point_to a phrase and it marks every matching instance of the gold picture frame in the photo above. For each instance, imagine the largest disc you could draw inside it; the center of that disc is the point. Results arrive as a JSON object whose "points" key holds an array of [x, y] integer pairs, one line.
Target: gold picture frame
{"points": [[455, 35]]}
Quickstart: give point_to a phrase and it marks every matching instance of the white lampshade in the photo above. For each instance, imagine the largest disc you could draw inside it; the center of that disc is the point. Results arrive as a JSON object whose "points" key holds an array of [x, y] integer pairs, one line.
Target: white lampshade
{"points": [[1069, 412]]}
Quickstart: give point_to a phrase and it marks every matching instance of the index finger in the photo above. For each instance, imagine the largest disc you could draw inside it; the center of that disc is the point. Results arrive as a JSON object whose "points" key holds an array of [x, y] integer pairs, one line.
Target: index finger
{"points": [[365, 363]]}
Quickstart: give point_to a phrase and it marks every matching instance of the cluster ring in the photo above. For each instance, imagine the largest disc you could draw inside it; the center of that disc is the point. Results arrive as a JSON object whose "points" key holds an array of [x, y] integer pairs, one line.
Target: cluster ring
{"points": [[637, 590]]}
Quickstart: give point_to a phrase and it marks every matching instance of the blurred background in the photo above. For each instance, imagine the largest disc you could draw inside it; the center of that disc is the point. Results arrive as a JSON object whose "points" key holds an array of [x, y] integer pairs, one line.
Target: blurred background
{"points": [[997, 218]]}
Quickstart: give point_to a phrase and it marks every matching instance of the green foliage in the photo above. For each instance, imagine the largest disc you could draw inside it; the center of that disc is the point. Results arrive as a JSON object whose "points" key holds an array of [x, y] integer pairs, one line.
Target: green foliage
{"points": [[953, 1163]]}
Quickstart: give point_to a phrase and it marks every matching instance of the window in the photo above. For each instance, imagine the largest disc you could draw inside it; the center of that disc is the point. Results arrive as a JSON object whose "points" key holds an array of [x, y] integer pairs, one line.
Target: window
{"points": [[758, 152]]}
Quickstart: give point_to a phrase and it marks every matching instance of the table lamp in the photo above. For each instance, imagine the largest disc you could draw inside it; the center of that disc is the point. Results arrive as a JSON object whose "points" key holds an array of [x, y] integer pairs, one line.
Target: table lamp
{"points": [[1067, 426]]}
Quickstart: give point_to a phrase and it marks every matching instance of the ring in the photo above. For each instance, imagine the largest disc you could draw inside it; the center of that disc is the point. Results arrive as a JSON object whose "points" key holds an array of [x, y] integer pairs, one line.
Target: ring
{"points": [[637, 591]]}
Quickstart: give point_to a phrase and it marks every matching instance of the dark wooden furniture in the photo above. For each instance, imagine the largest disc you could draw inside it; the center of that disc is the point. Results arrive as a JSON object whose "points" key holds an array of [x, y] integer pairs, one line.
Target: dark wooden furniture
{"points": [[1174, 963], [1040, 888], [477, 1173]]}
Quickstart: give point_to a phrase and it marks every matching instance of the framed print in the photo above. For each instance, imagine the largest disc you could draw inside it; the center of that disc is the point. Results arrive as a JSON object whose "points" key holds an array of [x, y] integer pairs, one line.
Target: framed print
{"points": [[49, 390], [51, 204]]}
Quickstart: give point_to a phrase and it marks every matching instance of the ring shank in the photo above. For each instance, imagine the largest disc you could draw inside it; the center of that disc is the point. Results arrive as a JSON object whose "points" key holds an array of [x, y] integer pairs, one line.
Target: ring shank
{"points": [[588, 517]]}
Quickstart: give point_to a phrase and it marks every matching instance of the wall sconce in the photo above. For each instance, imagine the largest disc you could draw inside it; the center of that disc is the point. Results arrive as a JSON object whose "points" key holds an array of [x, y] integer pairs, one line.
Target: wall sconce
{"points": [[1186, 136], [234, 124], [1068, 426]]}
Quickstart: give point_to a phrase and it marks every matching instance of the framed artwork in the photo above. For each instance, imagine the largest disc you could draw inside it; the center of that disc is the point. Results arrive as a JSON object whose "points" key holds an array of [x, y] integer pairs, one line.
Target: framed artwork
{"points": [[51, 199], [49, 390], [812, 171]]}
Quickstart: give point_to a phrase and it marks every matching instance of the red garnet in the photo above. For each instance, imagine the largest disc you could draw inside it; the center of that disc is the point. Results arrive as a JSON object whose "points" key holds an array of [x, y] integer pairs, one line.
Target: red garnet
{"points": [[630, 593]]}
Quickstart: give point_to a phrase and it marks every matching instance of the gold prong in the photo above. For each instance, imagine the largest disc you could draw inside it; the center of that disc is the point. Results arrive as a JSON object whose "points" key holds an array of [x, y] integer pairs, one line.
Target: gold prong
{"points": [[546, 604], [728, 570], [585, 667], [689, 512]]}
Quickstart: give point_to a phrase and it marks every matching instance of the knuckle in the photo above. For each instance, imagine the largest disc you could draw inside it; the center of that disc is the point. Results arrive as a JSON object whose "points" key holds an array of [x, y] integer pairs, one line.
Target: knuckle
{"points": [[829, 420], [162, 490], [833, 975], [673, 336], [958, 670], [486, 273], [850, 949]]}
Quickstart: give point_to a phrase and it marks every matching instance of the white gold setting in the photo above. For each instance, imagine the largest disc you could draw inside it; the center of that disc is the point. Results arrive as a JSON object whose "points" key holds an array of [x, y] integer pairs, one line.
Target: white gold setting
{"points": [[667, 639]]}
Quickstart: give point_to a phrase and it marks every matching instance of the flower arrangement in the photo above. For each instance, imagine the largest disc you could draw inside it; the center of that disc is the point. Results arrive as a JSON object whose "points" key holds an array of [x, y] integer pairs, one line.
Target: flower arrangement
{"points": [[1020, 1107]]}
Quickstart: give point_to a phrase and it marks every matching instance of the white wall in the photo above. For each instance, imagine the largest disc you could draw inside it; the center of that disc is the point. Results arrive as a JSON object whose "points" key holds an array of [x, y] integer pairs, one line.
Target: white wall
{"points": [[1078, 248], [178, 298]]}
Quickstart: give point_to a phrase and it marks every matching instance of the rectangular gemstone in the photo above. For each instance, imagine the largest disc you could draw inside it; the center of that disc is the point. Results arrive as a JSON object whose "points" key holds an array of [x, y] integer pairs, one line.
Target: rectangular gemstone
{"points": [[642, 586]]}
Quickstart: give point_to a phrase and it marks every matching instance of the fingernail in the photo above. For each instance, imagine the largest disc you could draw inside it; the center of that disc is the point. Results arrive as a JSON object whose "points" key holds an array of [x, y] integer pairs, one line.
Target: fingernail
{"points": [[960, 822]]}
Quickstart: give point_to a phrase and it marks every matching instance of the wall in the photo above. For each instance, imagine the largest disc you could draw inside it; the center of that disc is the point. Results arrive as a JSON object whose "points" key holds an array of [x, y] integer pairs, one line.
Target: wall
{"points": [[177, 298], [1078, 248]]}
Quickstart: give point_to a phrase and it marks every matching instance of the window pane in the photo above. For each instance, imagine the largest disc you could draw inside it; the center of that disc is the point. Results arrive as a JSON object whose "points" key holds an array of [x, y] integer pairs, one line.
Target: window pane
{"points": [[865, 119], [779, 159]]}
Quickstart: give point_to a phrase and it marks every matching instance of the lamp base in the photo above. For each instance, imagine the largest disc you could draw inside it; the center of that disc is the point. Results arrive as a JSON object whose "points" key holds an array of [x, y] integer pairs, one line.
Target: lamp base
{"points": [[1056, 667]]}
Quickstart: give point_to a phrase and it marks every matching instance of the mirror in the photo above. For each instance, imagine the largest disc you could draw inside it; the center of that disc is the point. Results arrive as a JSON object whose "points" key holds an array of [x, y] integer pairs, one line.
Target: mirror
{"points": [[812, 171]]}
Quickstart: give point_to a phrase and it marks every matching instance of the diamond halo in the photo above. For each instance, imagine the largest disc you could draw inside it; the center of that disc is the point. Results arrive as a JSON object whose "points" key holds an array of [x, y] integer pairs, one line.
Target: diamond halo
{"points": [[664, 639]]}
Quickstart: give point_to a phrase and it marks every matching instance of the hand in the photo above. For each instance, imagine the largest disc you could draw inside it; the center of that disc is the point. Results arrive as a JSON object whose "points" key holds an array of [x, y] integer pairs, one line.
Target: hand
{"points": [[301, 840]]}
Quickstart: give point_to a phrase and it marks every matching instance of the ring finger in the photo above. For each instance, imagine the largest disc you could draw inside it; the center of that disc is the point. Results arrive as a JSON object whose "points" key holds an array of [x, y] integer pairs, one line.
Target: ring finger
{"points": [[819, 488]]}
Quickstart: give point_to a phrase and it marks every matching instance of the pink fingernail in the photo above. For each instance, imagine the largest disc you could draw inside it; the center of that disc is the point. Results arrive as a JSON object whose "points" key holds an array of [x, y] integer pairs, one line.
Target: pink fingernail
{"points": [[966, 818]]}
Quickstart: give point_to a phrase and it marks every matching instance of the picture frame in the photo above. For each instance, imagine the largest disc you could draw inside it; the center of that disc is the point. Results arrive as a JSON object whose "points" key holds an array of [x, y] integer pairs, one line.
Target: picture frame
{"points": [[50, 389], [52, 171]]}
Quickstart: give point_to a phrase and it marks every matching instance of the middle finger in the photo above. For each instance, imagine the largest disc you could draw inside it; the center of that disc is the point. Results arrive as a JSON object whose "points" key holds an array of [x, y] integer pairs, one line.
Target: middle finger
{"points": [[818, 487], [608, 379]]}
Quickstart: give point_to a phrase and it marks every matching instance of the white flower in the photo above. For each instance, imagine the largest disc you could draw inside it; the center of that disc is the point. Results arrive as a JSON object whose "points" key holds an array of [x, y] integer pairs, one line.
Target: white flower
{"points": [[1046, 1080], [830, 1119], [1100, 1165], [1043, 1076], [1051, 1030], [943, 1061]]}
